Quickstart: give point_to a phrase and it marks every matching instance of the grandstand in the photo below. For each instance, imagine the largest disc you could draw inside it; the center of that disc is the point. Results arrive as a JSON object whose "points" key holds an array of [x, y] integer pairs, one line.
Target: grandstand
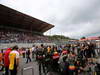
{"points": [[17, 27]]}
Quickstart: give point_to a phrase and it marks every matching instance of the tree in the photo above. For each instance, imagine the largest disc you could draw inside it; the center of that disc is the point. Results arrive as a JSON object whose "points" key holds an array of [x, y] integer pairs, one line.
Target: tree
{"points": [[83, 38]]}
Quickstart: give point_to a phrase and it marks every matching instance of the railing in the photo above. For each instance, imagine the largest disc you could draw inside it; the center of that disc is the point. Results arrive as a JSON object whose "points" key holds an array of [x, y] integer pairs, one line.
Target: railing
{"points": [[27, 68]]}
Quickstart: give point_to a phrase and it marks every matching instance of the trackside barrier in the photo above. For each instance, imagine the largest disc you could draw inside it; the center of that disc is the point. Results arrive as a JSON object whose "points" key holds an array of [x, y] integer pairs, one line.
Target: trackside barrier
{"points": [[27, 68]]}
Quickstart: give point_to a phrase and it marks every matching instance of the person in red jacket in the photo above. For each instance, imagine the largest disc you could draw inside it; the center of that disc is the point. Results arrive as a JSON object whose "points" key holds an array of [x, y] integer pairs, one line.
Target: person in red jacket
{"points": [[6, 61]]}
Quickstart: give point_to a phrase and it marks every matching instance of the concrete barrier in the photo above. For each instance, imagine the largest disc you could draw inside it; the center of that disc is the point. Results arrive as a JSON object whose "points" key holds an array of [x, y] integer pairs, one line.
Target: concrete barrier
{"points": [[6, 45]]}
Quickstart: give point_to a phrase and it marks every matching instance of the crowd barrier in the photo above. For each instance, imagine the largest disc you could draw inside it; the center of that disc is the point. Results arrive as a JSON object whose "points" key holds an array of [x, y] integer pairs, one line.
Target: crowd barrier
{"points": [[27, 68]]}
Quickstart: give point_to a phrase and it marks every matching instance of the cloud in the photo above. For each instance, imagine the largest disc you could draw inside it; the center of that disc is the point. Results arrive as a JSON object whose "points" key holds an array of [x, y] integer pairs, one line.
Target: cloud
{"points": [[73, 18]]}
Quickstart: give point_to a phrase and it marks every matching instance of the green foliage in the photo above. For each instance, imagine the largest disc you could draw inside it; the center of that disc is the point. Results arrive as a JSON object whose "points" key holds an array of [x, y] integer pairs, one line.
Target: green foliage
{"points": [[59, 38], [83, 37]]}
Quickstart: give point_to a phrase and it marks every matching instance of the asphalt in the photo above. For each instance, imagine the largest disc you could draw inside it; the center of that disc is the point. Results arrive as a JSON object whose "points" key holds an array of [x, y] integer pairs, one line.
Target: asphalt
{"points": [[27, 69], [30, 68]]}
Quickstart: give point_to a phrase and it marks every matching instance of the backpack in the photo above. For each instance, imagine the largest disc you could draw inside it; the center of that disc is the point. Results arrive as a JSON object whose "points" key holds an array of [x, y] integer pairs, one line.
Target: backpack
{"points": [[72, 67], [55, 55], [40, 55]]}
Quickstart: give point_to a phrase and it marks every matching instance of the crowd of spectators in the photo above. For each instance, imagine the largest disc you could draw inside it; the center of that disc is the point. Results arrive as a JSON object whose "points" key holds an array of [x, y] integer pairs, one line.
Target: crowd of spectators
{"points": [[21, 37], [81, 58]]}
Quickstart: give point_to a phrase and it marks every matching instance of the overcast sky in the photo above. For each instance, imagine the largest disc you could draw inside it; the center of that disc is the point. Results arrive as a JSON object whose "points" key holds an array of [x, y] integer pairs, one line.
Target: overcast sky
{"points": [[73, 18]]}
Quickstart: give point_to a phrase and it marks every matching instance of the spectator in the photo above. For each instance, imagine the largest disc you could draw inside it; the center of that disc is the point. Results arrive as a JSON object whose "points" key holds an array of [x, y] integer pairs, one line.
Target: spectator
{"points": [[6, 61], [14, 61], [28, 55]]}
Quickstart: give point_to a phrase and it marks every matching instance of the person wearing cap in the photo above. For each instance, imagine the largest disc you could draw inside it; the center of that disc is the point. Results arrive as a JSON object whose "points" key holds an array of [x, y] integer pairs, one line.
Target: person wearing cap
{"points": [[14, 60], [6, 61]]}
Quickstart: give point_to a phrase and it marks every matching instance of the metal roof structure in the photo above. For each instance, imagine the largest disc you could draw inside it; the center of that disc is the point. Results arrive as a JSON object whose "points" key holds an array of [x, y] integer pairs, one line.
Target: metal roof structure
{"points": [[12, 18]]}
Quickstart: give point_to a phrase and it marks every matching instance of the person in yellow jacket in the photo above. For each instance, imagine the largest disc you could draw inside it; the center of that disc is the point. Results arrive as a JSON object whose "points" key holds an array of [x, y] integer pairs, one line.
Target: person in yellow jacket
{"points": [[48, 49], [14, 60]]}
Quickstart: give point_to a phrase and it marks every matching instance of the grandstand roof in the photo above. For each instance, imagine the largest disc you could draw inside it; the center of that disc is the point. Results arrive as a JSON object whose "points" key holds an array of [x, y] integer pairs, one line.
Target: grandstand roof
{"points": [[12, 18]]}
